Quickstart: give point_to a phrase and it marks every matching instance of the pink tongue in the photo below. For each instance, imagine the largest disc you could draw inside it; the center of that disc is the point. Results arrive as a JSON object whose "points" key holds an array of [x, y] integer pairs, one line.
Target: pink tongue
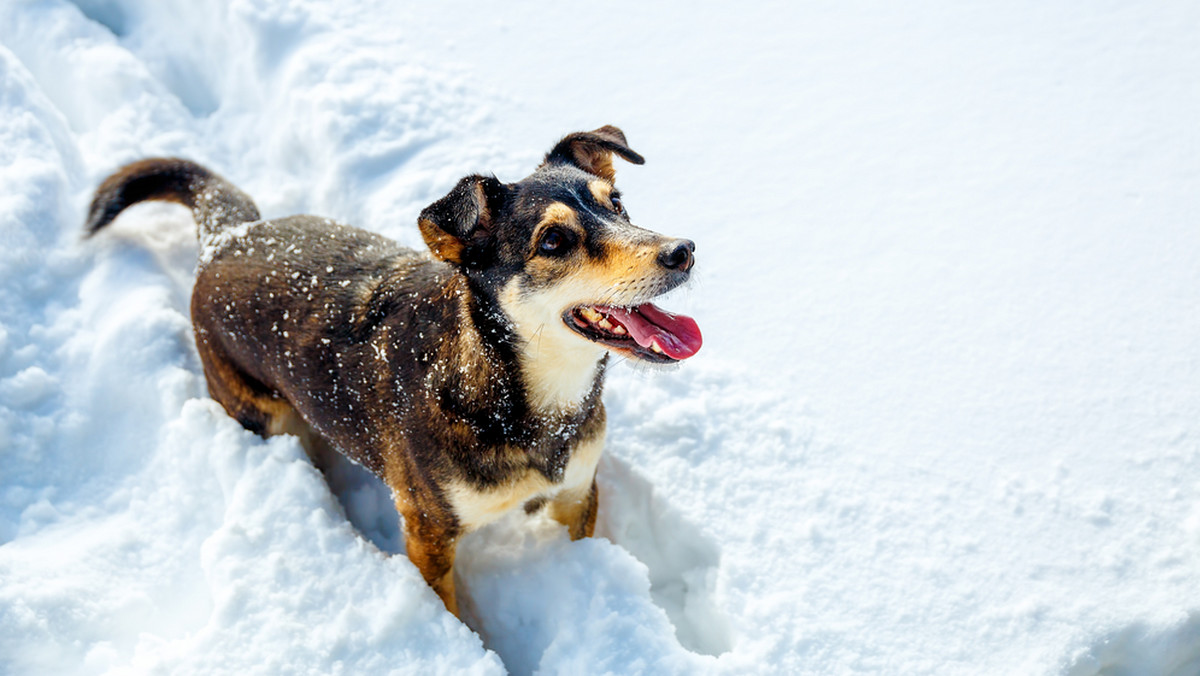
{"points": [[677, 335]]}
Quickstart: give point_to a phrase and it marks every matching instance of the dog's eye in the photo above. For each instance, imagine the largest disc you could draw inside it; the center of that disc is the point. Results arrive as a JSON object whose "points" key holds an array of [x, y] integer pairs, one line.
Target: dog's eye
{"points": [[555, 241], [618, 206]]}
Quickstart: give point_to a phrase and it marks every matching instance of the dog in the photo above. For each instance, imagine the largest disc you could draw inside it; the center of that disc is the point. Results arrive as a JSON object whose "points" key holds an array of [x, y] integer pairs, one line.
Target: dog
{"points": [[468, 377]]}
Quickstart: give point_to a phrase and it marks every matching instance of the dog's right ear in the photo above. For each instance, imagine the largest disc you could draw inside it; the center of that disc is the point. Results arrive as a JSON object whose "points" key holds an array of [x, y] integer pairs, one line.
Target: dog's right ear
{"points": [[592, 151], [462, 219]]}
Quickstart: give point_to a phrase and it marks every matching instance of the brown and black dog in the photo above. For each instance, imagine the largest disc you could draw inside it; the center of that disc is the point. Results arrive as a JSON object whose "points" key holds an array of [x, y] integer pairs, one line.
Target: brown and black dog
{"points": [[469, 380]]}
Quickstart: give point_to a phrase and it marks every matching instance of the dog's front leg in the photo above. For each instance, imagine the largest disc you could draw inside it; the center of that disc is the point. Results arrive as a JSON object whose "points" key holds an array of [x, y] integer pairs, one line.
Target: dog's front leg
{"points": [[575, 508], [431, 543]]}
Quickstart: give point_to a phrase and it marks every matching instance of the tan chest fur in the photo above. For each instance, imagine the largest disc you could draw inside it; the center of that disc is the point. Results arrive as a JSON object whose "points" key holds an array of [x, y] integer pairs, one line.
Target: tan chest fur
{"points": [[475, 509]]}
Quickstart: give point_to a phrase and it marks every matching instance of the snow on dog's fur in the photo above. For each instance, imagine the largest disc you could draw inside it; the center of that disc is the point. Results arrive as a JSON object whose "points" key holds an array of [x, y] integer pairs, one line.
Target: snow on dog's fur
{"points": [[469, 380]]}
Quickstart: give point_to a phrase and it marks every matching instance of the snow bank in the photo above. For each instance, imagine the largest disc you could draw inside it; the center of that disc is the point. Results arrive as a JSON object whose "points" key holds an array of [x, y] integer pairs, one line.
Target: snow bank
{"points": [[946, 416]]}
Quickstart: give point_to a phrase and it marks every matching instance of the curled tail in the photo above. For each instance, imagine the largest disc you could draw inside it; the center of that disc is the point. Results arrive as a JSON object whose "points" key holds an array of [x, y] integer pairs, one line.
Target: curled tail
{"points": [[215, 203]]}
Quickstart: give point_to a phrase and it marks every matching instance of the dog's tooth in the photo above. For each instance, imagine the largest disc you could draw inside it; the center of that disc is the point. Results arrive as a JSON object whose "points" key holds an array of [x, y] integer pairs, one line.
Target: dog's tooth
{"points": [[590, 314], [605, 324], [655, 346], [619, 330]]}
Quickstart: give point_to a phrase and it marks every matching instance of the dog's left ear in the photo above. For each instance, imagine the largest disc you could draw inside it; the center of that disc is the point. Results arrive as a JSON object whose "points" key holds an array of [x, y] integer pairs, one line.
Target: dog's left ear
{"points": [[462, 220], [592, 151]]}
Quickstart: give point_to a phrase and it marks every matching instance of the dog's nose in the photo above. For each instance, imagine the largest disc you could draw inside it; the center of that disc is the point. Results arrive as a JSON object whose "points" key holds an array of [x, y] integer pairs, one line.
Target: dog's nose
{"points": [[678, 255]]}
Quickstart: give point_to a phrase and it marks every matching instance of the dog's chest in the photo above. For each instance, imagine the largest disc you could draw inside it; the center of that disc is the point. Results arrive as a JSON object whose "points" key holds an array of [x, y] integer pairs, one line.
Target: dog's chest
{"points": [[475, 507]]}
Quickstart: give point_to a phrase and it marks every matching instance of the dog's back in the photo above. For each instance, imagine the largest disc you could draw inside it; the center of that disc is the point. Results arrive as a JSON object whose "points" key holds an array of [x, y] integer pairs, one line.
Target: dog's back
{"points": [[294, 316]]}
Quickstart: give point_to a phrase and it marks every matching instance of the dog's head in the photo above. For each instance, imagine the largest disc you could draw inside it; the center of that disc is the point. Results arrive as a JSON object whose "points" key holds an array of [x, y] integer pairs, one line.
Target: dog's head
{"points": [[559, 256]]}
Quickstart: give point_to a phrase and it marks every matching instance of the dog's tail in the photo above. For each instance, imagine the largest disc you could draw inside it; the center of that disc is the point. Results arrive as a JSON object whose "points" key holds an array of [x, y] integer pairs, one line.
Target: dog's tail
{"points": [[215, 203]]}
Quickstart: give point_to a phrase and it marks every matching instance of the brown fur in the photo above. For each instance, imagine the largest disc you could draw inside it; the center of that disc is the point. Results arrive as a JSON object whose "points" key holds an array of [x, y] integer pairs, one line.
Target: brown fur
{"points": [[453, 376]]}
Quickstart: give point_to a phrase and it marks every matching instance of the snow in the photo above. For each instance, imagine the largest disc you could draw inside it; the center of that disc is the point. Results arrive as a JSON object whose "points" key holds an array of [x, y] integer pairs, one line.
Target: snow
{"points": [[946, 416]]}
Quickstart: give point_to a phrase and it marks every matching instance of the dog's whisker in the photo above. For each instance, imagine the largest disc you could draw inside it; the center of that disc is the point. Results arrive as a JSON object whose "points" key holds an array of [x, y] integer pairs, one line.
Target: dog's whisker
{"points": [[537, 336]]}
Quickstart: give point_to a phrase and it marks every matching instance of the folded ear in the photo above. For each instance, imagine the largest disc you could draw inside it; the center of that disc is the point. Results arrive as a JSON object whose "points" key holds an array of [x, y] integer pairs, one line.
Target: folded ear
{"points": [[592, 151], [462, 218]]}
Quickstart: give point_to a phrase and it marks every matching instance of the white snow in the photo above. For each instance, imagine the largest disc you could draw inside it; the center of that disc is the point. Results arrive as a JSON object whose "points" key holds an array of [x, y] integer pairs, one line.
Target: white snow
{"points": [[946, 420]]}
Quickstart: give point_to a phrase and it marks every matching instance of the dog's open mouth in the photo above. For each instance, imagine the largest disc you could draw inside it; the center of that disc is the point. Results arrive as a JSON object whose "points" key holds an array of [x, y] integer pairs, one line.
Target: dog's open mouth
{"points": [[644, 331]]}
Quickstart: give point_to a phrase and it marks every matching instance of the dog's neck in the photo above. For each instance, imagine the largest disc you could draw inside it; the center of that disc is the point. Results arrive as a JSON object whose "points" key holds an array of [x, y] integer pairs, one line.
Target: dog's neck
{"points": [[559, 371], [555, 371]]}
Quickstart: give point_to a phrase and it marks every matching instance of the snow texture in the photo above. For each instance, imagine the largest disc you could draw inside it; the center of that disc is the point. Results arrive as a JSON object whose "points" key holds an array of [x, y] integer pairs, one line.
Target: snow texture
{"points": [[946, 420]]}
